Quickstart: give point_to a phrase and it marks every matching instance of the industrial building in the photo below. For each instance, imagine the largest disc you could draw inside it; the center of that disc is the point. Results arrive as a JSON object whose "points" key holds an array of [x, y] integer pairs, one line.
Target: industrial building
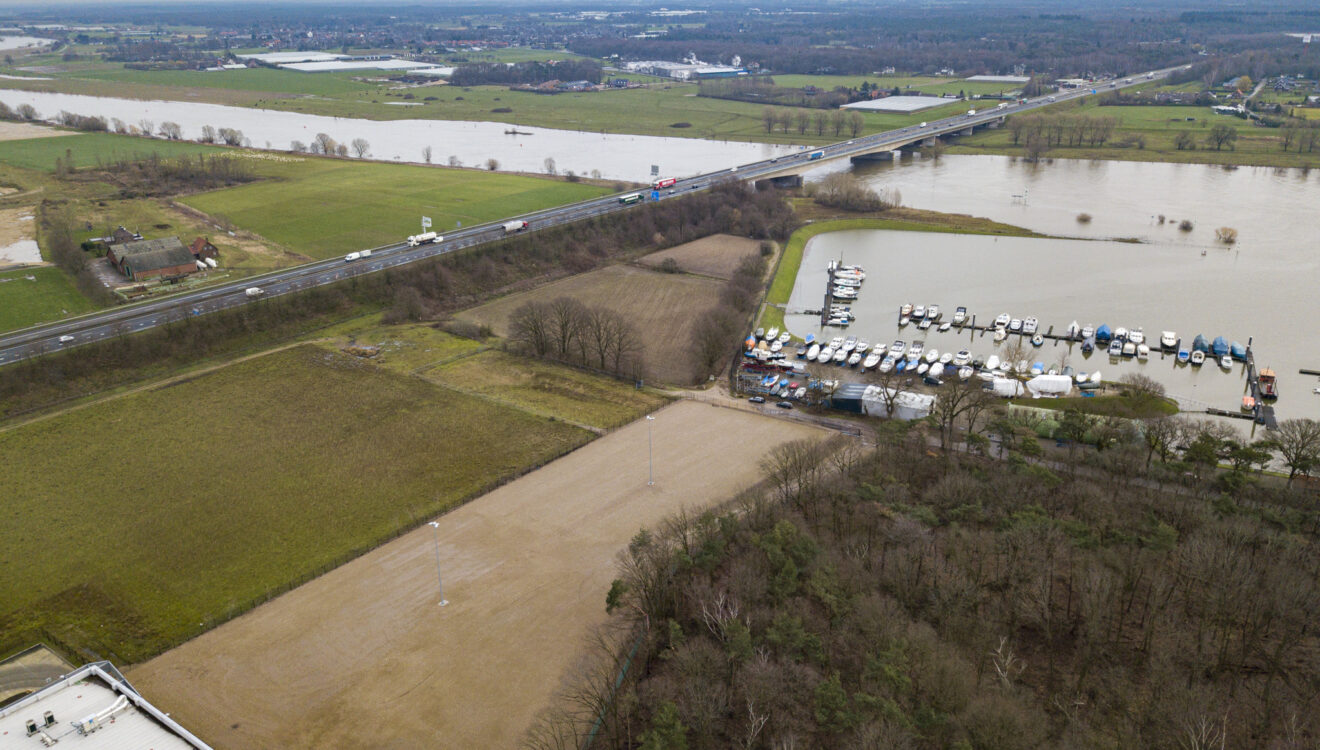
{"points": [[92, 708], [869, 400]]}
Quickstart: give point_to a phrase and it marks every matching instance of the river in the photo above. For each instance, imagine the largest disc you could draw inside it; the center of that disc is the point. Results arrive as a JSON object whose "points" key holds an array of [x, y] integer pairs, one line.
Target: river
{"points": [[1187, 282], [614, 156]]}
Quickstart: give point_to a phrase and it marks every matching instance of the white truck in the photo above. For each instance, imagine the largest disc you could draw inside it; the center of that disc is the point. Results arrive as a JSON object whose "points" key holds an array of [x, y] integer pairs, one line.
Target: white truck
{"points": [[514, 226], [422, 239], [254, 291], [971, 113]]}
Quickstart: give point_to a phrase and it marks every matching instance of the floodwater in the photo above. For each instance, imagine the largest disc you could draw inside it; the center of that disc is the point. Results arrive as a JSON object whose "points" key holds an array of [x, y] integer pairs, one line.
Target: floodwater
{"points": [[625, 157], [20, 42], [1155, 287], [1261, 288]]}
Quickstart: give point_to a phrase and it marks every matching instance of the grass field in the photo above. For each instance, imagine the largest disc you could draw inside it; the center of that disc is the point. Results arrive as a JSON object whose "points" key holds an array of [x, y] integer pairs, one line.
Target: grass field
{"points": [[265, 80], [922, 84], [662, 306], [547, 388], [49, 295], [136, 523], [325, 207], [90, 148], [525, 570]]}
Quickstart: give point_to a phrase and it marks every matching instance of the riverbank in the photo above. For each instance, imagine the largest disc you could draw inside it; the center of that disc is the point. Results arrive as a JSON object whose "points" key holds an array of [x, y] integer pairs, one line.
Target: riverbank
{"points": [[823, 220]]}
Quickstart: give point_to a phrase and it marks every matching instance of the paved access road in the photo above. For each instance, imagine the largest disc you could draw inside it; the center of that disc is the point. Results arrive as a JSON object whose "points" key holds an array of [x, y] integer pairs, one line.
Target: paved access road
{"points": [[86, 329]]}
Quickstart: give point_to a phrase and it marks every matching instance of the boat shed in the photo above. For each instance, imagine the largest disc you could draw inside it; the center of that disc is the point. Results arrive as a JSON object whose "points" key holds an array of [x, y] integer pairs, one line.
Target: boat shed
{"points": [[860, 398]]}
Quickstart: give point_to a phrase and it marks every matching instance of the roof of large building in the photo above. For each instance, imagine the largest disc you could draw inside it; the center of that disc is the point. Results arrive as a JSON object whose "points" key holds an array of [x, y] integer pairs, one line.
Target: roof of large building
{"points": [[898, 103], [999, 79], [168, 257], [96, 709], [135, 247]]}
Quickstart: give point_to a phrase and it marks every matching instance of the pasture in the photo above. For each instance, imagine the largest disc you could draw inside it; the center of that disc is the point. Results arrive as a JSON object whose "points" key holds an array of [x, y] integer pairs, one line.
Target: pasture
{"points": [[36, 295], [138, 522]]}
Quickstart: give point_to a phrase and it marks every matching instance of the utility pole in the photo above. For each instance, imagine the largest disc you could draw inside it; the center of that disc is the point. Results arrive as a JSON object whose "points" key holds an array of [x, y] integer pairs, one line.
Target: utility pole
{"points": [[435, 533], [650, 464]]}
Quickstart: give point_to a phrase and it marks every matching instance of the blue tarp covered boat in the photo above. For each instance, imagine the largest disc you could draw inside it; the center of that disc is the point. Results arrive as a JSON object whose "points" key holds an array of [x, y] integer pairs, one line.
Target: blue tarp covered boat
{"points": [[1220, 347], [1103, 334], [1200, 344]]}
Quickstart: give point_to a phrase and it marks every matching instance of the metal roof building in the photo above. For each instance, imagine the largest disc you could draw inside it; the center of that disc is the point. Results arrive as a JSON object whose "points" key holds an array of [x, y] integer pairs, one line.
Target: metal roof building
{"points": [[898, 104], [93, 708]]}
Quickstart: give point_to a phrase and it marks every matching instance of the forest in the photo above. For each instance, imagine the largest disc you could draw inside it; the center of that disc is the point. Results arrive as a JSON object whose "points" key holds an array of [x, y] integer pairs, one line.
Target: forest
{"points": [[893, 596]]}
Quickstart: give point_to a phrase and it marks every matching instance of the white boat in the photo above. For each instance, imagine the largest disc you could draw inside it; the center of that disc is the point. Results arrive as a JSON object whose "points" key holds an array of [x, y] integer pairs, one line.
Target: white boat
{"points": [[1023, 366], [1095, 377], [840, 356], [897, 348], [904, 320], [1073, 329], [1115, 348], [813, 352], [1121, 333], [844, 292], [825, 355], [1136, 335], [922, 368], [945, 326], [1005, 366], [785, 337], [962, 358], [776, 347], [886, 364], [848, 283], [1198, 357], [960, 316], [1143, 351], [863, 346], [987, 376], [936, 370], [839, 322], [1015, 325], [915, 349], [905, 311], [872, 361], [760, 333], [933, 312], [1088, 332], [946, 358], [1129, 349], [1029, 325], [925, 323], [1003, 320], [965, 372], [772, 334], [993, 362], [1080, 377], [850, 343], [853, 359], [932, 354], [836, 342], [1037, 340], [1226, 362], [919, 312], [1000, 334], [800, 393], [1168, 340]]}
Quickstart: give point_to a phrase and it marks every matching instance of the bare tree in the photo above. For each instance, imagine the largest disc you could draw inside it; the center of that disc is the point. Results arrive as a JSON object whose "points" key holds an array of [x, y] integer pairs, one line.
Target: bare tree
{"points": [[954, 403], [323, 144], [231, 137], [713, 339], [550, 165], [801, 119], [454, 161], [341, 149], [361, 147], [171, 131], [1298, 443], [298, 147], [855, 123], [528, 328], [208, 134], [492, 164], [119, 125], [818, 121], [426, 154], [837, 120], [146, 126]]}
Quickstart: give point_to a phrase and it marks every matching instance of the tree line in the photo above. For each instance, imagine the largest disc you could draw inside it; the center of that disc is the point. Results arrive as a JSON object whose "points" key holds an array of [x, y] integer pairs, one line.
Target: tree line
{"points": [[1061, 130], [420, 290], [886, 596], [566, 330], [717, 330], [819, 122], [844, 191]]}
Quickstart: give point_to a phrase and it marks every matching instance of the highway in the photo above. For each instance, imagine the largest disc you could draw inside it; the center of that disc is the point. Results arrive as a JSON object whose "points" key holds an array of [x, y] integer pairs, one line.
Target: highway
{"points": [[94, 327]]}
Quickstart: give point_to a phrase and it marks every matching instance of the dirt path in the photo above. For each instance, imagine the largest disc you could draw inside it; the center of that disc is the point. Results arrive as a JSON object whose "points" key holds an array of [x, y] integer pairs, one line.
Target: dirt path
{"points": [[364, 657]]}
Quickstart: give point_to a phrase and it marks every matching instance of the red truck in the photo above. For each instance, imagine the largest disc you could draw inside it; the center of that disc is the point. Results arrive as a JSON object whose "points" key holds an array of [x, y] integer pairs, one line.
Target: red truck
{"points": [[666, 182]]}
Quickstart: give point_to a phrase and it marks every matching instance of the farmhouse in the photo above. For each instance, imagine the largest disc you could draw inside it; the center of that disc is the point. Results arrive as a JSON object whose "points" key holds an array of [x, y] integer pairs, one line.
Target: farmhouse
{"points": [[92, 707], [202, 249], [145, 259]]}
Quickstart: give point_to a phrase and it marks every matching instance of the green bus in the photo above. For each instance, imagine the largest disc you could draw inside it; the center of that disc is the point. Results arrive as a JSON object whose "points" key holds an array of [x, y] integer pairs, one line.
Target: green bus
{"points": [[628, 200]]}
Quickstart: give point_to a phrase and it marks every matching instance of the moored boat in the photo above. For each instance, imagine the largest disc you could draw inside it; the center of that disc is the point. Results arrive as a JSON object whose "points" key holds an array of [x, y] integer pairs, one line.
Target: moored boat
{"points": [[1269, 387], [1037, 340], [1226, 362], [919, 312], [962, 357], [1168, 340], [1103, 335], [1015, 325], [1197, 358], [1115, 348], [1143, 351], [1184, 355], [945, 326], [1237, 351], [1073, 331], [1003, 320], [1219, 347], [925, 323], [1200, 344], [905, 311], [933, 312], [1088, 344], [1000, 334], [1137, 335], [904, 320], [960, 316], [1129, 349], [1121, 333], [992, 363], [1087, 332], [1029, 325], [1248, 403], [772, 334]]}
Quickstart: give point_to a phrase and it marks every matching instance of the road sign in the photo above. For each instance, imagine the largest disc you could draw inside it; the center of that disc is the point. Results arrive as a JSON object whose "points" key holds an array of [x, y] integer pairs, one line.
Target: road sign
{"points": [[655, 195], [426, 222], [655, 169]]}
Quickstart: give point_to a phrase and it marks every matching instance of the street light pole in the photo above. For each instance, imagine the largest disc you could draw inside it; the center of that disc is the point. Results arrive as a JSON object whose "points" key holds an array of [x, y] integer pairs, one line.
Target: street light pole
{"points": [[650, 465], [435, 533]]}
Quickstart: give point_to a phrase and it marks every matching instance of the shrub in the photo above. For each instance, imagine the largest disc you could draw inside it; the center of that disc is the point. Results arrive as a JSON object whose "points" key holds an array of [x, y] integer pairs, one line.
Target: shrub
{"points": [[1185, 225], [681, 125], [1083, 218], [1226, 235], [502, 110]]}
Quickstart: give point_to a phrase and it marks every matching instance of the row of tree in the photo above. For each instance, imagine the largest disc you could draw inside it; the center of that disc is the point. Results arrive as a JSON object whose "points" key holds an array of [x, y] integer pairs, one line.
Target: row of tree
{"points": [[568, 331], [1062, 129], [717, 329], [818, 122], [482, 74], [326, 146]]}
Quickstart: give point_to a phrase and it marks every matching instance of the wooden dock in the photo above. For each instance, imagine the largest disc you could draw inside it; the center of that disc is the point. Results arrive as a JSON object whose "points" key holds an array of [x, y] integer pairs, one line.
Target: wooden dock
{"points": [[1262, 413]]}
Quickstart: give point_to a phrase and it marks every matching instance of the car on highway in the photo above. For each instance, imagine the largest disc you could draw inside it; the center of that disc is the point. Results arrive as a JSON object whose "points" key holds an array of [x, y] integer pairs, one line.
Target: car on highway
{"points": [[757, 399], [65, 339]]}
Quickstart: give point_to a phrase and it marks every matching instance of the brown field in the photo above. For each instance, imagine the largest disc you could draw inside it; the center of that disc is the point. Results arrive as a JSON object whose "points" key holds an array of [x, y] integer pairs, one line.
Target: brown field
{"points": [[364, 657], [717, 255], [21, 131], [663, 306]]}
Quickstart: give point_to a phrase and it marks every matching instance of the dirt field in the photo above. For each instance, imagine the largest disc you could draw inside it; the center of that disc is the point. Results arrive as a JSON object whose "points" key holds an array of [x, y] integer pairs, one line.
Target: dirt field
{"points": [[21, 131], [364, 657], [17, 236], [717, 255], [663, 306]]}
